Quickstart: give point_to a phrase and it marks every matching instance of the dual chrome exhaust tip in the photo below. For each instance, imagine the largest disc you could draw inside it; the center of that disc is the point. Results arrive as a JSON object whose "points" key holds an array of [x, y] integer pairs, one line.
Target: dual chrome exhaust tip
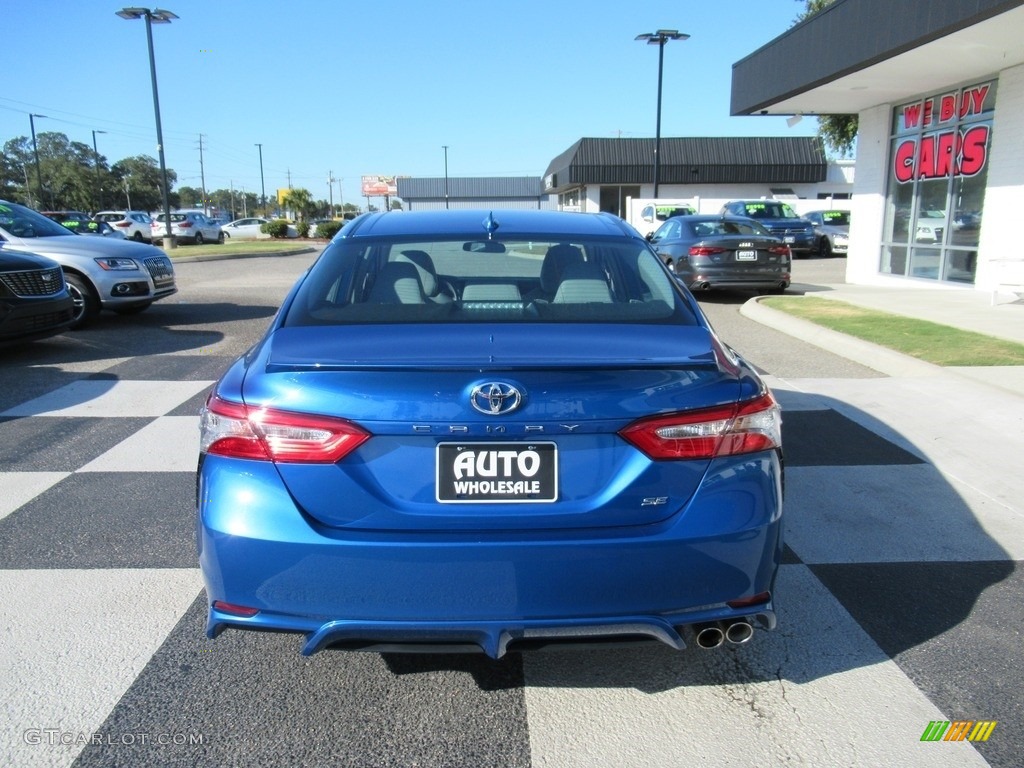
{"points": [[713, 634]]}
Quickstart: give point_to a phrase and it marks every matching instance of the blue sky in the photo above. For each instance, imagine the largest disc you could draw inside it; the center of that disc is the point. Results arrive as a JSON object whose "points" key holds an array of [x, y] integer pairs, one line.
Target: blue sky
{"points": [[366, 88]]}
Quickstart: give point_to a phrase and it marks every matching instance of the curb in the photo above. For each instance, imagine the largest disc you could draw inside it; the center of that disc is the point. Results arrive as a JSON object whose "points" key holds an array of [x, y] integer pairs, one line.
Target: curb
{"points": [[878, 358], [186, 259]]}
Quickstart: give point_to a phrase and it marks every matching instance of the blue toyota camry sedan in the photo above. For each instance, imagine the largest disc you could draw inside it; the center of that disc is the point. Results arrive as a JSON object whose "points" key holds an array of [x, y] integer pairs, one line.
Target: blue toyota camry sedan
{"points": [[490, 431]]}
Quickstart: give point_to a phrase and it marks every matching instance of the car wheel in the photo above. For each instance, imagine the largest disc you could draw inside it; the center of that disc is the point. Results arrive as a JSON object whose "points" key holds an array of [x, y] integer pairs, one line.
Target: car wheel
{"points": [[225, 235], [137, 237], [199, 238], [133, 310], [825, 248], [87, 305], [220, 238]]}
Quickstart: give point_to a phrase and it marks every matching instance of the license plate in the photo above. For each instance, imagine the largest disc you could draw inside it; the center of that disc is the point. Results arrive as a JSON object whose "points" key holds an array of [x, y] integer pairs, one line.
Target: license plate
{"points": [[497, 473], [789, 239], [746, 255]]}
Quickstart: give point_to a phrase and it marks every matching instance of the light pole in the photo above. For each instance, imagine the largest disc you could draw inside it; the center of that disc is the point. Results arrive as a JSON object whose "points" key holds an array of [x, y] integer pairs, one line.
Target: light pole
{"points": [[445, 147], [155, 16], [35, 151], [96, 162], [263, 189], [659, 39]]}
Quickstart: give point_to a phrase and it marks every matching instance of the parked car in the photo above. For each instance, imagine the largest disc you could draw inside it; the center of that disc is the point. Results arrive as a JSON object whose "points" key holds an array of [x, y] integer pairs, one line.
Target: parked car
{"points": [[34, 301], [778, 218], [931, 226], [81, 224], [136, 225], [63, 217], [711, 251], [831, 231], [93, 228], [249, 229], [101, 273], [188, 227], [491, 431]]}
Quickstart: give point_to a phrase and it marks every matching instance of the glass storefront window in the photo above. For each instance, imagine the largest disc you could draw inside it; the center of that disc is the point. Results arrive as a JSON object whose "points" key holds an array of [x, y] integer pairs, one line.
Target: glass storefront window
{"points": [[937, 177]]}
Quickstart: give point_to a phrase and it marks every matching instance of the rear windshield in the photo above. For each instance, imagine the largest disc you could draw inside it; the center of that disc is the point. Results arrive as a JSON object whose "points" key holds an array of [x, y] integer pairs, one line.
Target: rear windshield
{"points": [[495, 281]]}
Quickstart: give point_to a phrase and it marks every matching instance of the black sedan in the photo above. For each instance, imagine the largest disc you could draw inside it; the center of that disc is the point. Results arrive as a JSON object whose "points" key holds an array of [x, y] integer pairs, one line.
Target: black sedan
{"points": [[34, 301], [715, 251]]}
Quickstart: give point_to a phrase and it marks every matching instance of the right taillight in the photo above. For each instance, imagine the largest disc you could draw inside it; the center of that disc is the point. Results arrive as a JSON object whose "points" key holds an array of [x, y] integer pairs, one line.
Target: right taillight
{"points": [[705, 250], [780, 250], [728, 430], [267, 434]]}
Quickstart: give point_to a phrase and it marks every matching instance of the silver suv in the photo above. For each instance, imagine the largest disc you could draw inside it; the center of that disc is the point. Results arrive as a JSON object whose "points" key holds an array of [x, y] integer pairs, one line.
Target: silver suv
{"points": [[134, 224], [188, 227], [101, 273]]}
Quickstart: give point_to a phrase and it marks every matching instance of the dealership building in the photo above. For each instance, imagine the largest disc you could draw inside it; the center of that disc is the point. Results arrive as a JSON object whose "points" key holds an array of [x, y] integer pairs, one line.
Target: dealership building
{"points": [[938, 88]]}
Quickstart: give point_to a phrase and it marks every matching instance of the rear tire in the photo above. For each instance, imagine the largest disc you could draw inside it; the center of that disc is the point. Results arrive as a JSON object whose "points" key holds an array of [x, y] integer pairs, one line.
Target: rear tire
{"points": [[825, 248], [220, 239], [137, 237], [87, 305], [199, 238]]}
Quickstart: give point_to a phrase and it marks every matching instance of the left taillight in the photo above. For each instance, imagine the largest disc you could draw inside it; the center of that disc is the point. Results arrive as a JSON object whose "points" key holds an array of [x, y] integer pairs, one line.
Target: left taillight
{"points": [[737, 428], [268, 434]]}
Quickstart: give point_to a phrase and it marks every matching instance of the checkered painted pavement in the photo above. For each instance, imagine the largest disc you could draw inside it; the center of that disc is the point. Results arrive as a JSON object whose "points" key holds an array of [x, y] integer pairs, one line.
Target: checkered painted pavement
{"points": [[899, 605]]}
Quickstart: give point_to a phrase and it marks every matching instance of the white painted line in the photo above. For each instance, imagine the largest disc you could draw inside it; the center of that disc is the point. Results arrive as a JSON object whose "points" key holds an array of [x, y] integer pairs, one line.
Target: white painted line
{"points": [[111, 398], [169, 444]]}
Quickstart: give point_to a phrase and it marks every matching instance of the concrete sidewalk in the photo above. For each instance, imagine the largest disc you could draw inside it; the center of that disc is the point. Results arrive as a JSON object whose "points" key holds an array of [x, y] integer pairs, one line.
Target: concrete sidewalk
{"points": [[1001, 316]]}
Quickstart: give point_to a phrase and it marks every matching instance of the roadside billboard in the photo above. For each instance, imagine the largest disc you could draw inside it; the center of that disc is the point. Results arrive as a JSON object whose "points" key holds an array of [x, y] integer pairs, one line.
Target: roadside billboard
{"points": [[379, 186]]}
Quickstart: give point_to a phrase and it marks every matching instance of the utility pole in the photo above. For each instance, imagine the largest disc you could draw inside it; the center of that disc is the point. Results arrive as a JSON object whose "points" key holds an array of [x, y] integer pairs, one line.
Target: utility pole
{"points": [[263, 188], [330, 191], [96, 164], [202, 176]]}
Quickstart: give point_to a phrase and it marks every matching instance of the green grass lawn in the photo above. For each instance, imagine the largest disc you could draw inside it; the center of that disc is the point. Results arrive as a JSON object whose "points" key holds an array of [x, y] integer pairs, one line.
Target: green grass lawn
{"points": [[237, 247], [933, 342]]}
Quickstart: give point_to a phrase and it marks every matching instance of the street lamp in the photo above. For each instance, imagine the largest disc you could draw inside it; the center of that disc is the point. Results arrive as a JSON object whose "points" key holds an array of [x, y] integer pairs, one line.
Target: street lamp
{"points": [[445, 147], [263, 189], [96, 162], [35, 151], [155, 16], [659, 39]]}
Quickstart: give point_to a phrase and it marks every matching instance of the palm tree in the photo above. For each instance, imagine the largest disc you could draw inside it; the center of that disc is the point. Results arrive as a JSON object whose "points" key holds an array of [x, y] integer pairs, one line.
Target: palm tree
{"points": [[300, 202]]}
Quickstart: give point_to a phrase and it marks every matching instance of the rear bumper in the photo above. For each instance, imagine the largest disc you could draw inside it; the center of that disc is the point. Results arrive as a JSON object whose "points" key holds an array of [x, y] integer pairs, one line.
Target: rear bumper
{"points": [[490, 590]]}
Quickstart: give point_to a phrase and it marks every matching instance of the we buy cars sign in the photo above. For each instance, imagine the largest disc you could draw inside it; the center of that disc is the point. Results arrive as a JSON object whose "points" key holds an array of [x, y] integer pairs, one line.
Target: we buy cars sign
{"points": [[950, 150]]}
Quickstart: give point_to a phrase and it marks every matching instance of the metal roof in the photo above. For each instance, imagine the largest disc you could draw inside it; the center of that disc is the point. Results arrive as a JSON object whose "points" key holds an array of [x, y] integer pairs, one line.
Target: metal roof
{"points": [[690, 160], [857, 54], [413, 188]]}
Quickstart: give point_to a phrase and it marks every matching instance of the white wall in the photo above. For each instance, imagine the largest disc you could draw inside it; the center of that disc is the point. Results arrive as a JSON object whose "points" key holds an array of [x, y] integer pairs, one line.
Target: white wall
{"points": [[868, 204], [1004, 194]]}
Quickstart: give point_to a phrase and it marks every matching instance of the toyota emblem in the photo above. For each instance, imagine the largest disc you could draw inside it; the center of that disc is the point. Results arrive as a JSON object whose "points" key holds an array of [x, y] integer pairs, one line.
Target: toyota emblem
{"points": [[495, 398]]}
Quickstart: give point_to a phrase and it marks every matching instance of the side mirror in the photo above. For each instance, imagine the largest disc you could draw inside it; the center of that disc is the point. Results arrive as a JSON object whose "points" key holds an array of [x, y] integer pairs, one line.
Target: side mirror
{"points": [[649, 237]]}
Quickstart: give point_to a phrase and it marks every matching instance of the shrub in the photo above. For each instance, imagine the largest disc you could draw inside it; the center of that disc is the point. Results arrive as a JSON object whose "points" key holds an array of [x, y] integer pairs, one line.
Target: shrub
{"points": [[328, 229], [302, 228], [275, 228]]}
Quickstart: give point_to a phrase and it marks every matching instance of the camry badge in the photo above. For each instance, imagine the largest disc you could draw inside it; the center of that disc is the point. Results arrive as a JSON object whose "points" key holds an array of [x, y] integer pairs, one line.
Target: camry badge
{"points": [[495, 398]]}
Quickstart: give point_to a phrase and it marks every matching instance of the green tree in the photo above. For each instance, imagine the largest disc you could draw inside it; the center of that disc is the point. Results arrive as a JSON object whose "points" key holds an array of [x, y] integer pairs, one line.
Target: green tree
{"points": [[138, 181], [190, 197], [838, 132], [15, 169]]}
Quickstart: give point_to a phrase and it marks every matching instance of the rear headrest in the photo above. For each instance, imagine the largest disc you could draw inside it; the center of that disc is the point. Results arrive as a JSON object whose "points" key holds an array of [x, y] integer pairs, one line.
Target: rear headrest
{"points": [[425, 267], [556, 260]]}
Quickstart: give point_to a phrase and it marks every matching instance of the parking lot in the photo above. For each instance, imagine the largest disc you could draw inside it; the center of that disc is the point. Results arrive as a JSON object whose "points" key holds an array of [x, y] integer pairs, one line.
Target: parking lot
{"points": [[899, 598]]}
